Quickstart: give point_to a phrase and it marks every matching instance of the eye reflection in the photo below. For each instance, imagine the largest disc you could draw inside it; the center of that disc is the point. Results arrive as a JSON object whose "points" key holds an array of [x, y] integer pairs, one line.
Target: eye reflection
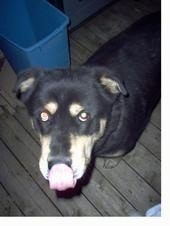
{"points": [[44, 116], [83, 116]]}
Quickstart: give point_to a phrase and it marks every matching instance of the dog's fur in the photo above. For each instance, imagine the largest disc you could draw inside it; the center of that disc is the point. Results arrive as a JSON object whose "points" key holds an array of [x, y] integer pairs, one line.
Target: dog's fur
{"points": [[96, 109]]}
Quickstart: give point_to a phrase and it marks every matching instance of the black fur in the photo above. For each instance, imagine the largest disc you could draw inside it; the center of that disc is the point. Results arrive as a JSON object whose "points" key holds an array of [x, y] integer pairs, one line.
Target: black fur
{"points": [[134, 56], [132, 59]]}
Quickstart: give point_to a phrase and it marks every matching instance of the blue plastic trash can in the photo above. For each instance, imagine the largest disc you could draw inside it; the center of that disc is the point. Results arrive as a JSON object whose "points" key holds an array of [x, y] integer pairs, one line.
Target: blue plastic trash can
{"points": [[33, 33]]}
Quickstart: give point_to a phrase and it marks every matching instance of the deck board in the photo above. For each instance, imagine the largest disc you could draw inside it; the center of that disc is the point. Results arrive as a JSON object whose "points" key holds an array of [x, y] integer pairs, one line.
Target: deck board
{"points": [[107, 199], [149, 168], [129, 184], [156, 116], [19, 184], [7, 205], [151, 139], [116, 187]]}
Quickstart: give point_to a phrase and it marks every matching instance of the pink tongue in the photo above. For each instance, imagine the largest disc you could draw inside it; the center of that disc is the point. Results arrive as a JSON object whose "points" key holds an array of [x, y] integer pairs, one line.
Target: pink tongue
{"points": [[61, 177]]}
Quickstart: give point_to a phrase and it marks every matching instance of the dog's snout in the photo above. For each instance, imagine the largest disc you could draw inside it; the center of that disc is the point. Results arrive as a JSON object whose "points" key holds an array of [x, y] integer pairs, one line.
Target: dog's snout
{"points": [[52, 160]]}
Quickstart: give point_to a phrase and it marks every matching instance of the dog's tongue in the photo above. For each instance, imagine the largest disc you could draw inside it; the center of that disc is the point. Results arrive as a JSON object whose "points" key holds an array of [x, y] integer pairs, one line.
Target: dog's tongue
{"points": [[61, 177]]}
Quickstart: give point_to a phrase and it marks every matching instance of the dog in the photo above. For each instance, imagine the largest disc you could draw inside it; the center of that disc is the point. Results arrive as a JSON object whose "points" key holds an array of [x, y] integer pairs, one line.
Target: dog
{"points": [[98, 109]]}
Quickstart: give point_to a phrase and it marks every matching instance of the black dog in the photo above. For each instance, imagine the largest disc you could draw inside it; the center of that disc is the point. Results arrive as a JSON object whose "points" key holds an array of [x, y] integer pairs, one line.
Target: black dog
{"points": [[94, 109]]}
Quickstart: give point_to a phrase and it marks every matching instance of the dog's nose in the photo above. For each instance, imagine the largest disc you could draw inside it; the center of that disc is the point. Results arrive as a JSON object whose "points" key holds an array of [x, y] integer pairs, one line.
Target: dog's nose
{"points": [[52, 160]]}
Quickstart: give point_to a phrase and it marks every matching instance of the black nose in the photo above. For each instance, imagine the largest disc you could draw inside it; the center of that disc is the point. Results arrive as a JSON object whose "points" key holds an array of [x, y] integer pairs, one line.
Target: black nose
{"points": [[52, 160]]}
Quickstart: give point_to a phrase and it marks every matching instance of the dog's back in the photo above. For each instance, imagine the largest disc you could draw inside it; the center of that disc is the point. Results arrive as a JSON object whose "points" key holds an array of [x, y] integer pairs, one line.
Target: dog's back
{"points": [[134, 56], [139, 46]]}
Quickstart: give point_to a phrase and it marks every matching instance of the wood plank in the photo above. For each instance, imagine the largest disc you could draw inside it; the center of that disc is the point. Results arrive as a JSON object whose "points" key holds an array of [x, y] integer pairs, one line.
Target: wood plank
{"points": [[11, 99], [151, 139], [87, 39], [128, 183], [5, 104], [146, 165], [131, 10], [75, 63], [128, 11], [79, 52], [106, 198], [7, 205], [113, 25], [18, 110], [7, 78], [156, 116], [99, 26], [23, 190]]}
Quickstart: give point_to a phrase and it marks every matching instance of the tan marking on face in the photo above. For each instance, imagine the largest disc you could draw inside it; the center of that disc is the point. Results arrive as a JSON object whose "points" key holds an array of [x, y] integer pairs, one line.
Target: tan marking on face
{"points": [[32, 124], [110, 84], [51, 107], [75, 109], [27, 84], [45, 150], [81, 149]]}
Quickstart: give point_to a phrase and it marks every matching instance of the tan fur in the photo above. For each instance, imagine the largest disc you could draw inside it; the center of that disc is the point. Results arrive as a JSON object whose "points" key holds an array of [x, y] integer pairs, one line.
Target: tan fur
{"points": [[32, 124], [27, 84], [81, 148], [51, 107], [75, 109], [45, 150], [111, 85]]}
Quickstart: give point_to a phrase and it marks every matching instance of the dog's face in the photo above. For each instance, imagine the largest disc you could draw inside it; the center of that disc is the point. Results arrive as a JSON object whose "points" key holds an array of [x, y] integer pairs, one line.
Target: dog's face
{"points": [[69, 110]]}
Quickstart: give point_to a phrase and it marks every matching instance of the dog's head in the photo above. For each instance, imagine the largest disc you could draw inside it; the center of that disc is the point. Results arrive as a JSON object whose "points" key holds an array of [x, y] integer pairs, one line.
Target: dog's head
{"points": [[69, 110]]}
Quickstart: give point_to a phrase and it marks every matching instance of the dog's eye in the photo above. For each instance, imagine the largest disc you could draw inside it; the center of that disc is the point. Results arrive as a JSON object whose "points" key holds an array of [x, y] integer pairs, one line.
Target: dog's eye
{"points": [[83, 116], [44, 116]]}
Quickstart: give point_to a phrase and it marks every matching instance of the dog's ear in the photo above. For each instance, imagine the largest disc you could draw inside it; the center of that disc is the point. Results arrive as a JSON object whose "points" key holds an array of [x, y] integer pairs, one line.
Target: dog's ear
{"points": [[26, 83], [112, 85]]}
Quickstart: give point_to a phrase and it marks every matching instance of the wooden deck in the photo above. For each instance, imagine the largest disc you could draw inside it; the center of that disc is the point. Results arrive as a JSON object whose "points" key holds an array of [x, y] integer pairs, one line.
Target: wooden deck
{"points": [[117, 187]]}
